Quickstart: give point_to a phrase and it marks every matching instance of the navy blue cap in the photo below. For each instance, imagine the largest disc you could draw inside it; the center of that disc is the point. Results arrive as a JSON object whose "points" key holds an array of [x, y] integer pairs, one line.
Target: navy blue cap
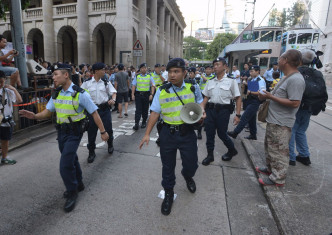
{"points": [[120, 66], [157, 66], [98, 66], [275, 63], [192, 69], [60, 66], [209, 66], [255, 67], [142, 65], [176, 62], [219, 59], [163, 65]]}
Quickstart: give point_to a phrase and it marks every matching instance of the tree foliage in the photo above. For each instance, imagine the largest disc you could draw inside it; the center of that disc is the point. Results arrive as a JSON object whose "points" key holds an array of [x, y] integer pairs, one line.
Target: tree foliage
{"points": [[287, 18], [5, 6], [218, 44], [194, 48]]}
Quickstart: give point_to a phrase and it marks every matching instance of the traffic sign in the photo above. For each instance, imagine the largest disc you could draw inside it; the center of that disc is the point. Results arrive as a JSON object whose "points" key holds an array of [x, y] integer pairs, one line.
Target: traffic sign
{"points": [[137, 46], [138, 53]]}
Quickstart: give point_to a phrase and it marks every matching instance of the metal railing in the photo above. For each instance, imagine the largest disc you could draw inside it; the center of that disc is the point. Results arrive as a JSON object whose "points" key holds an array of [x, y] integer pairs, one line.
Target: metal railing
{"points": [[34, 101]]}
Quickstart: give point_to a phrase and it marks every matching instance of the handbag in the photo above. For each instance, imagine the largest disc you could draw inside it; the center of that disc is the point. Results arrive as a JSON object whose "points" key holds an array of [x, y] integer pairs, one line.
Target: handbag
{"points": [[263, 109]]}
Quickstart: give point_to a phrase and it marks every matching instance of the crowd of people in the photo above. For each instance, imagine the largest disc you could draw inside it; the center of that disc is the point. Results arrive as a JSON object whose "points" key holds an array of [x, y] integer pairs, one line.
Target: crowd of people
{"points": [[85, 96]]}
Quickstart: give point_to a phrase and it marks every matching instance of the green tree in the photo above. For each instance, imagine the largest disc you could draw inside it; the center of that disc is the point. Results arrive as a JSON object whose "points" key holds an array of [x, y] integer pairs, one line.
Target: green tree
{"points": [[282, 19], [5, 6], [218, 44], [295, 14], [193, 48], [273, 17]]}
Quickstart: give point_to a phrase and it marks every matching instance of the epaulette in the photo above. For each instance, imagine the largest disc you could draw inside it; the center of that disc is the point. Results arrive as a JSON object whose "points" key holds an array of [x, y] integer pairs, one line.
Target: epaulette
{"points": [[78, 89], [56, 92], [88, 79], [105, 81], [165, 86]]}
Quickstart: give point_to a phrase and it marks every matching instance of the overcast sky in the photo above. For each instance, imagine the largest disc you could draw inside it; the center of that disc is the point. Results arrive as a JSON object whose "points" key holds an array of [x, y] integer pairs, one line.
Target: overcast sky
{"points": [[196, 10]]}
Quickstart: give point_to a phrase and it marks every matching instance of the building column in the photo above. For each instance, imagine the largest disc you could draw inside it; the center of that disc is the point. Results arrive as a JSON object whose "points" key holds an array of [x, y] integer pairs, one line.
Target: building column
{"points": [[160, 49], [83, 33], [168, 36], [176, 41], [124, 32], [181, 43], [48, 31], [172, 37], [141, 34], [153, 37]]}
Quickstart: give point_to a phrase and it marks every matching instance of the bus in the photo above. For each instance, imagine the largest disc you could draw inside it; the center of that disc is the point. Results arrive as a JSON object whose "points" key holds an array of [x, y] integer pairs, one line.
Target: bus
{"points": [[299, 39]]}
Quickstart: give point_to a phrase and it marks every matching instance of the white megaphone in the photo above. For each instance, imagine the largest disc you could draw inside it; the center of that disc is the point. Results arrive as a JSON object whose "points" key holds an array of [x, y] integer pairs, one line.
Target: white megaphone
{"points": [[191, 113]]}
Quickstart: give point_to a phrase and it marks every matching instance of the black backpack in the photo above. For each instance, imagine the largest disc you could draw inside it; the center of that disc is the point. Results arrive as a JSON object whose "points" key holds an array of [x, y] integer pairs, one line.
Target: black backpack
{"points": [[315, 94]]}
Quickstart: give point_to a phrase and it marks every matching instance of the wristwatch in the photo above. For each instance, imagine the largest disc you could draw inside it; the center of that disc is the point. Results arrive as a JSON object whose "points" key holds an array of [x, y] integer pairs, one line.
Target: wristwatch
{"points": [[238, 115], [102, 132]]}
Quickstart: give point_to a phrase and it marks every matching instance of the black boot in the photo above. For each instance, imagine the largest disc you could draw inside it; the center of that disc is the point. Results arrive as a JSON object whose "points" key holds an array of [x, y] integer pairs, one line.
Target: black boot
{"points": [[92, 156], [71, 201], [191, 185], [166, 206], [136, 126], [208, 159], [110, 146], [143, 124], [158, 142], [80, 188], [251, 137], [229, 155], [199, 134]]}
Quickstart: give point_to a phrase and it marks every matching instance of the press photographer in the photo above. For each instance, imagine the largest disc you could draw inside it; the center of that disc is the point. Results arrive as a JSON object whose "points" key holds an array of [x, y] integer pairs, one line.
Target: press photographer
{"points": [[8, 96]]}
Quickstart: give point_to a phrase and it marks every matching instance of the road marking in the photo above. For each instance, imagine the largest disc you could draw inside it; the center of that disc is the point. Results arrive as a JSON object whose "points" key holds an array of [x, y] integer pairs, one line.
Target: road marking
{"points": [[329, 107]]}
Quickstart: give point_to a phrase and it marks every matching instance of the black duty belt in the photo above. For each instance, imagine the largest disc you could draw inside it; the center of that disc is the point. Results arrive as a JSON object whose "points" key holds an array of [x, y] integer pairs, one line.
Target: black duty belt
{"points": [[218, 106], [103, 106], [183, 128], [78, 127], [252, 97], [142, 92]]}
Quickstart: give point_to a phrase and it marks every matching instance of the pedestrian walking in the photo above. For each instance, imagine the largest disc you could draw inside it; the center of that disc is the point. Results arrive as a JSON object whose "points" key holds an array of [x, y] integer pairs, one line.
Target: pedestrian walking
{"points": [[103, 95], [284, 103], [218, 102], [143, 88], [69, 102], [175, 134], [122, 84]]}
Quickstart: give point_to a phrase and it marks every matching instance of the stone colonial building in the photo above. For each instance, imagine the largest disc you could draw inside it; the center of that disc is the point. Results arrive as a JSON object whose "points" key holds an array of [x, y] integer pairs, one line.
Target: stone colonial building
{"points": [[87, 31]]}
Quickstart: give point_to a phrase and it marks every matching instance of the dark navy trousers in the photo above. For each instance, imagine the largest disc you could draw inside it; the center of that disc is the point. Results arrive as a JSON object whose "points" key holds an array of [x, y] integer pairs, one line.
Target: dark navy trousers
{"points": [[106, 117], [217, 121], [142, 106], [249, 116], [169, 144], [70, 169]]}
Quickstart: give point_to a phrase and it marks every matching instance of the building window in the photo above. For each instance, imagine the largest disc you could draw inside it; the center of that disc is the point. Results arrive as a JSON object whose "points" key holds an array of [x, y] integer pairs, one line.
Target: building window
{"points": [[135, 2], [263, 62], [267, 36], [292, 38], [304, 38], [255, 35]]}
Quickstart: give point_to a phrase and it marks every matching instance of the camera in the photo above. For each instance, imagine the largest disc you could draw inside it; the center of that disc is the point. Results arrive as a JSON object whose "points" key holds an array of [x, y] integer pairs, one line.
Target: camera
{"points": [[9, 119]]}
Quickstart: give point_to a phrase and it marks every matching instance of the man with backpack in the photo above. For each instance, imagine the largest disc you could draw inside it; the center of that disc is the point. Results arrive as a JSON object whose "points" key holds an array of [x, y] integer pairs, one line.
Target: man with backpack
{"points": [[313, 101]]}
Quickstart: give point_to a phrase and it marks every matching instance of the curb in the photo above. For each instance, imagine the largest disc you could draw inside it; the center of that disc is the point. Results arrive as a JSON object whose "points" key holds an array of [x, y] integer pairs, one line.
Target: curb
{"points": [[285, 218], [27, 141]]}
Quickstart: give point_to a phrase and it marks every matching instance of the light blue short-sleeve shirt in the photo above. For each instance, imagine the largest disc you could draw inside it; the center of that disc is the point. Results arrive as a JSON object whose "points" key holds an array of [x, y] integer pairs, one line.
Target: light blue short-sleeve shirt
{"points": [[84, 100], [155, 106]]}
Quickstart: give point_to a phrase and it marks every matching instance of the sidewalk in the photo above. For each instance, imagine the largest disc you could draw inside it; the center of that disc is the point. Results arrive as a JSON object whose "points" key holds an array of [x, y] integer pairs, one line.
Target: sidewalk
{"points": [[303, 205], [31, 134]]}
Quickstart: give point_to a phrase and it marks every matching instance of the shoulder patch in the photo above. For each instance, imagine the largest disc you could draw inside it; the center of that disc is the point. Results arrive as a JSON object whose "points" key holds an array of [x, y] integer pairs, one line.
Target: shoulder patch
{"points": [[78, 89], [165, 86]]}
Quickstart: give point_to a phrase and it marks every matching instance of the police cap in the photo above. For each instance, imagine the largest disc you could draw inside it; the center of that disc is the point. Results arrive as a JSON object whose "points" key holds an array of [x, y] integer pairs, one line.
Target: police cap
{"points": [[142, 65], [120, 66], [98, 66], [157, 66], [163, 65], [176, 62], [255, 67], [220, 59], [192, 69], [209, 66], [60, 66]]}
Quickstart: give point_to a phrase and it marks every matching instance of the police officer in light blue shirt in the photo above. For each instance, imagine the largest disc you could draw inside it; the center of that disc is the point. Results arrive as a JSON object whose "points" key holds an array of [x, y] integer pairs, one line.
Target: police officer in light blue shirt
{"points": [[268, 75], [256, 84], [69, 101], [143, 88]]}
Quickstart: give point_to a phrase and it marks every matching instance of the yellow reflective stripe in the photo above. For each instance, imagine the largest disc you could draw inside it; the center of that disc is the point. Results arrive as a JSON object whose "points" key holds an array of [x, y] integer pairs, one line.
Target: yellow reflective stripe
{"points": [[175, 98], [172, 120], [73, 118]]}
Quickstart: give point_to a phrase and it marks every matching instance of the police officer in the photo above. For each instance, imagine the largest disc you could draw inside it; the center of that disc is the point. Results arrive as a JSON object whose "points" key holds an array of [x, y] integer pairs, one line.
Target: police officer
{"points": [[194, 79], [175, 134], [219, 93], [143, 88], [103, 95], [69, 102], [255, 84], [206, 76], [156, 75]]}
